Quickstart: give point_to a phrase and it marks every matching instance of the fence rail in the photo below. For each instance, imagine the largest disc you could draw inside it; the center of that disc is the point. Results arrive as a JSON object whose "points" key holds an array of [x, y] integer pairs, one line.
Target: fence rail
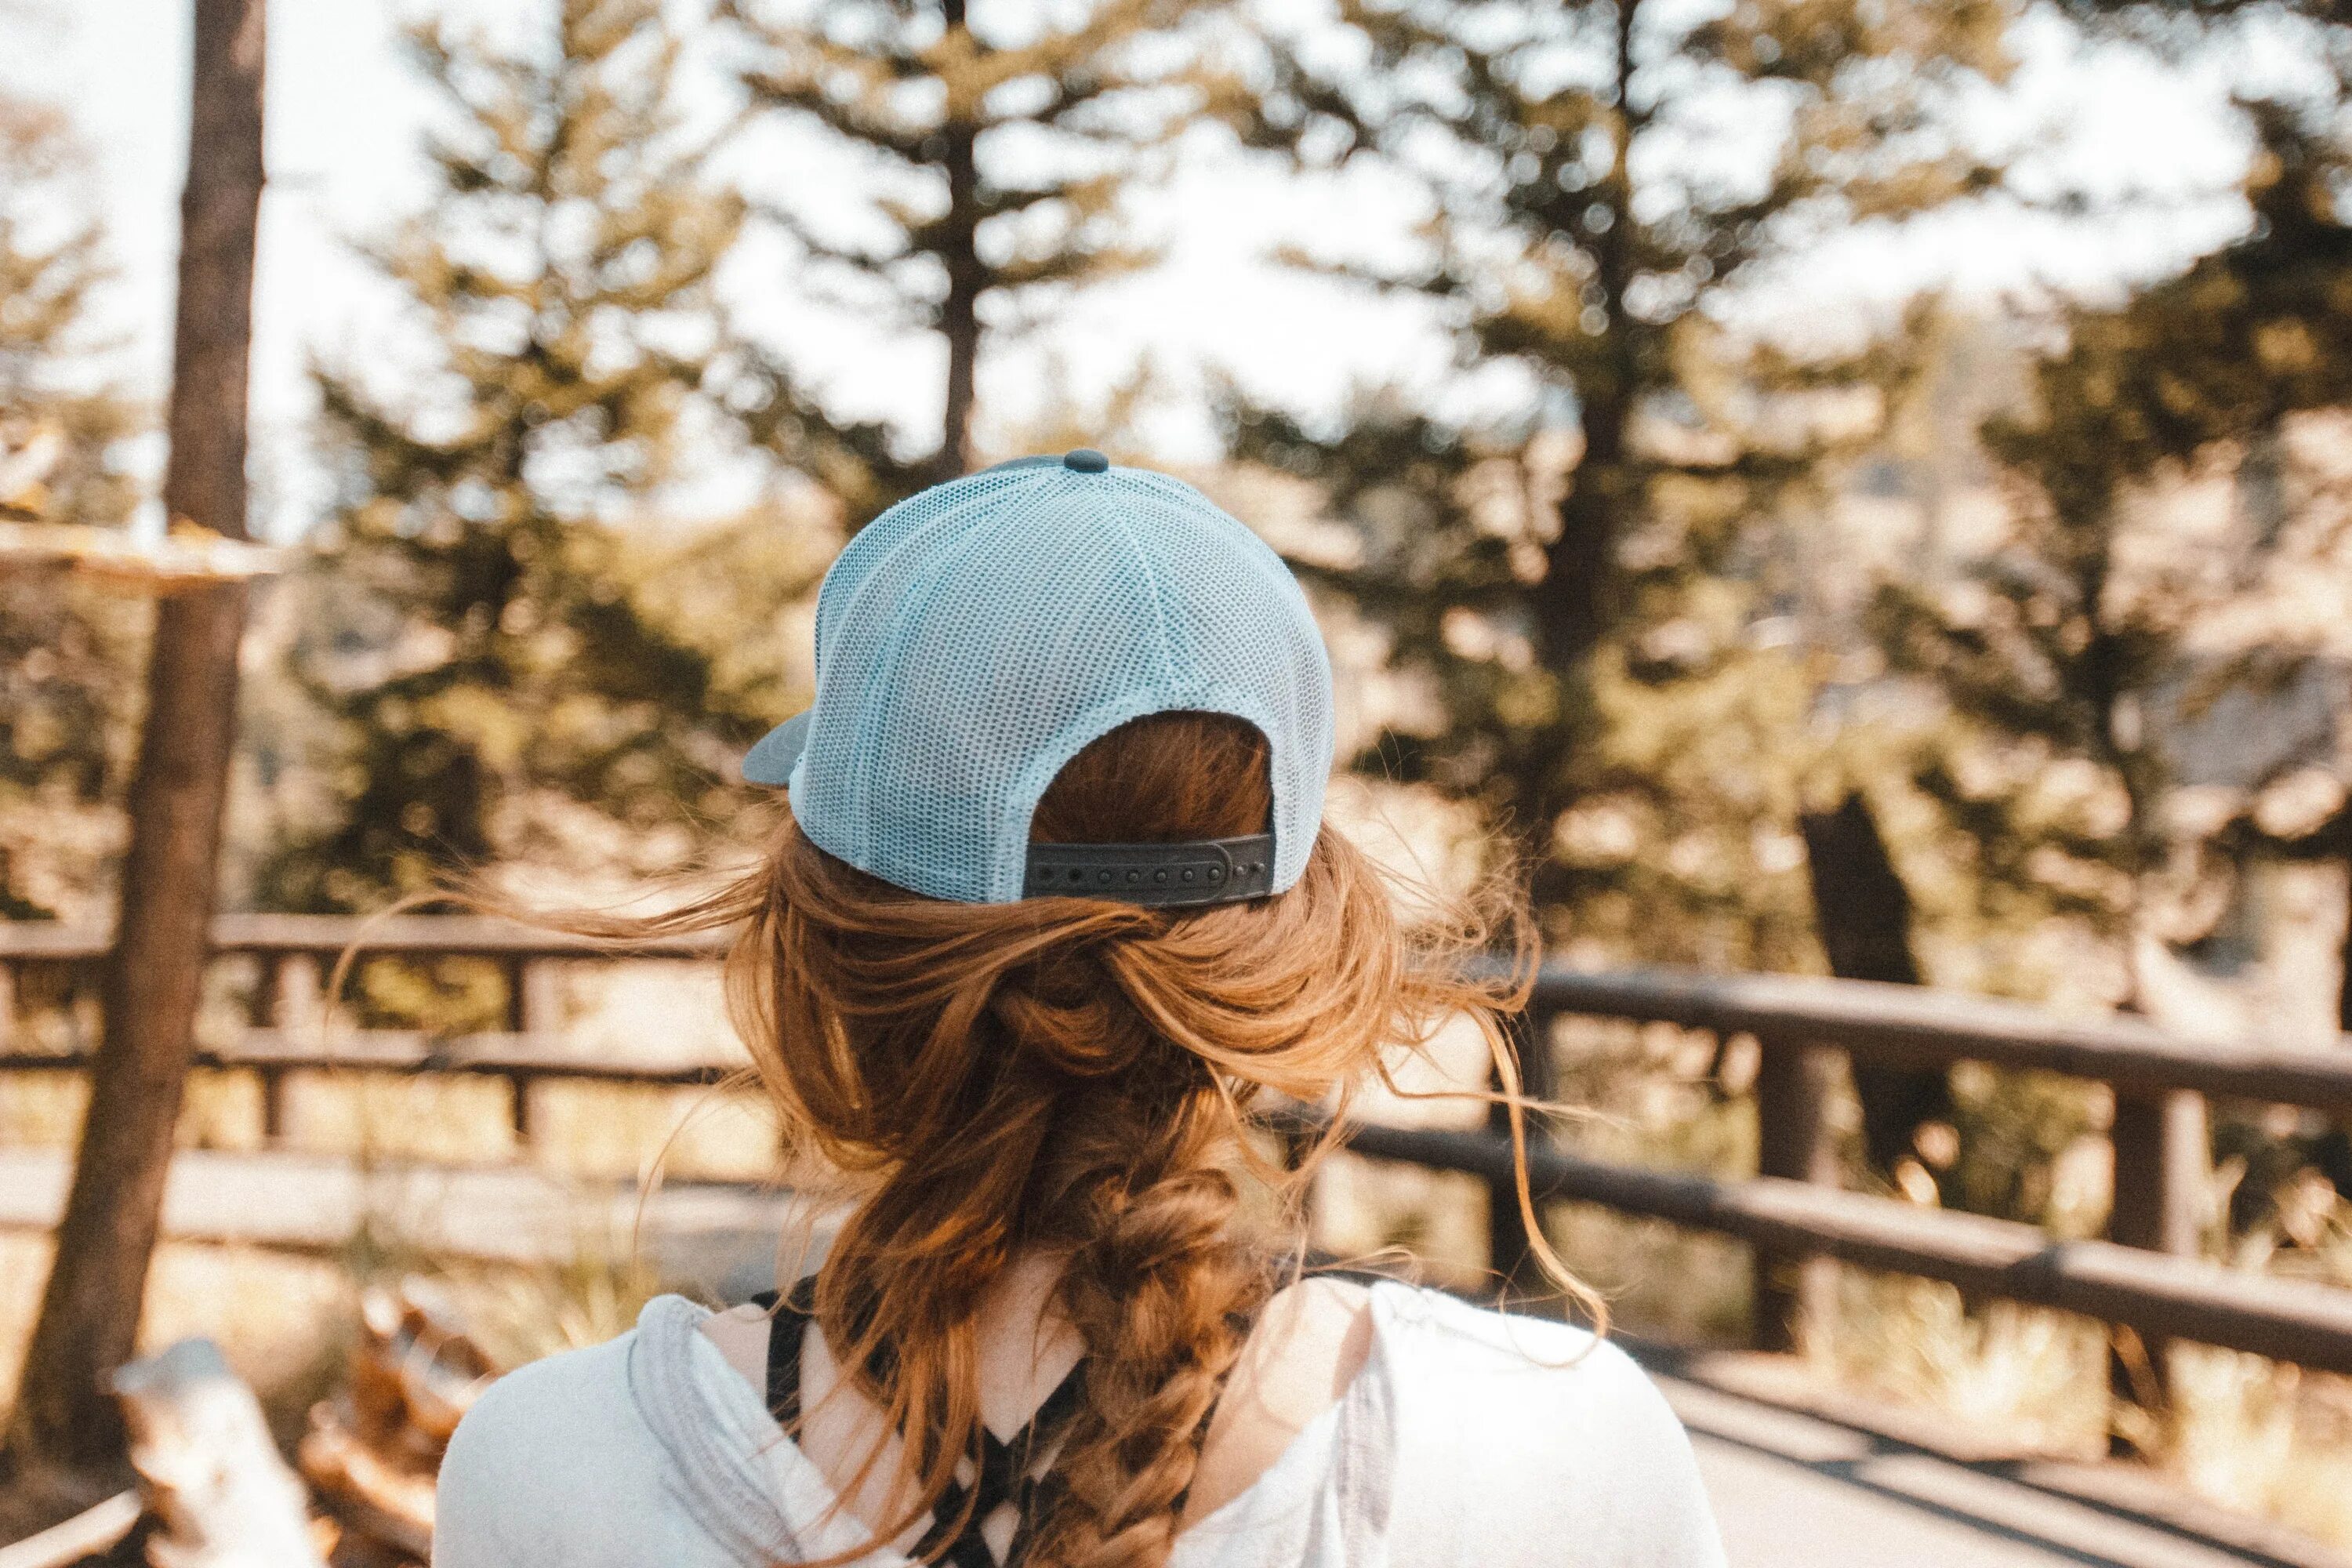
{"points": [[1909, 1025], [411, 1053], [294, 954], [326, 936], [1790, 1212], [2291, 1319]]}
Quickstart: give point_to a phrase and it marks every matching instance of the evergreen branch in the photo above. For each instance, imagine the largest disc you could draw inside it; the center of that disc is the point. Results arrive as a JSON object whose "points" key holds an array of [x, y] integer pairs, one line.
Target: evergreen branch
{"points": [[972, 70], [1073, 265], [862, 120], [875, 263]]}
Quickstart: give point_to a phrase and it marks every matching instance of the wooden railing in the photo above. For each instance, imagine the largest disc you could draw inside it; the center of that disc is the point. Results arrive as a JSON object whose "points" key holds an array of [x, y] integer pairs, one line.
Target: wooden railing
{"points": [[1790, 1212], [1801, 1026], [295, 955]]}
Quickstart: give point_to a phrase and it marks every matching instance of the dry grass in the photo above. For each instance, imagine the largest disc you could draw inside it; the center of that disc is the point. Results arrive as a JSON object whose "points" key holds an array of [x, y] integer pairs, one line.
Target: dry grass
{"points": [[285, 1320], [1660, 1282], [279, 1317], [2243, 1432], [519, 1315], [1360, 1208], [2038, 1378], [2272, 1439]]}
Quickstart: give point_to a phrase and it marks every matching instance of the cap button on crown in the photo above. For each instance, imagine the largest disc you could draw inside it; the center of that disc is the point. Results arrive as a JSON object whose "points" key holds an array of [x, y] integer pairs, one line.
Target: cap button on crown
{"points": [[1086, 461]]}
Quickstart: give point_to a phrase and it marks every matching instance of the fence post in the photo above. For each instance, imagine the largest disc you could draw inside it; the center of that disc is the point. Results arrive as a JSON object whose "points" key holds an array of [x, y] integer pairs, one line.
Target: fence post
{"points": [[261, 1013], [2161, 1157], [1507, 1252], [290, 996], [298, 993], [1793, 1084], [530, 1008]]}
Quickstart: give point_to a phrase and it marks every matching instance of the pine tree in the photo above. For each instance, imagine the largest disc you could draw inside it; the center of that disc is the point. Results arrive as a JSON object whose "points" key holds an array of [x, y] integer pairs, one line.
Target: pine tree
{"points": [[2080, 658], [483, 637], [68, 667], [1591, 621], [2092, 636], [1001, 161]]}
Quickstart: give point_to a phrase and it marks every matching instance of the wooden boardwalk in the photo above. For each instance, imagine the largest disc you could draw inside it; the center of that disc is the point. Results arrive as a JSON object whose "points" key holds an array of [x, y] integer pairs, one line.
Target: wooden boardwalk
{"points": [[1798, 1480], [690, 1232], [1861, 1486]]}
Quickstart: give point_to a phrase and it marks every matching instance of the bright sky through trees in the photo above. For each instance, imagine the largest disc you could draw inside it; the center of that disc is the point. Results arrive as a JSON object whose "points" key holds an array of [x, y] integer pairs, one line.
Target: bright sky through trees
{"points": [[345, 115]]}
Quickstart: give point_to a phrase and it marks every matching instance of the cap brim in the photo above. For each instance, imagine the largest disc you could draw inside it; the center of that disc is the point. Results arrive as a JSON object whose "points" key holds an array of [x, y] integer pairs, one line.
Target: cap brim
{"points": [[772, 760]]}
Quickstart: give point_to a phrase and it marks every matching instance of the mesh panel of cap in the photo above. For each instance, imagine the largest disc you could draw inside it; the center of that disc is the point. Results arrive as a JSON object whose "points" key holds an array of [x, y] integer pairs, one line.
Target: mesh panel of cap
{"points": [[974, 638]]}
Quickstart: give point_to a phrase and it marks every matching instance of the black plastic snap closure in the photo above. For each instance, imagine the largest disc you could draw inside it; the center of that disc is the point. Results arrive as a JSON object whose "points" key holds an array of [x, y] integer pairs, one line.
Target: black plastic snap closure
{"points": [[1086, 461], [1206, 871]]}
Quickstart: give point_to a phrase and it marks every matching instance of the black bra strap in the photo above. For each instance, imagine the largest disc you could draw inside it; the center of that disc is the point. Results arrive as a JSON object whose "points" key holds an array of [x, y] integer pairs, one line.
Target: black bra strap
{"points": [[1002, 1476], [788, 1321], [1002, 1466]]}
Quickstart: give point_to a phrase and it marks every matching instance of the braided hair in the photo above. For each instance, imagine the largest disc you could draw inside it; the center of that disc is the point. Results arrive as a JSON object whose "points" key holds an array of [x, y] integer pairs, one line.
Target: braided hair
{"points": [[1083, 1078]]}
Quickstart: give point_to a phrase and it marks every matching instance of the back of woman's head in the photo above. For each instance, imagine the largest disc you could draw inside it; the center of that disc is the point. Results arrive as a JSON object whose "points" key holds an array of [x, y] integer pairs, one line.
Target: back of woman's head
{"points": [[1077, 1076]]}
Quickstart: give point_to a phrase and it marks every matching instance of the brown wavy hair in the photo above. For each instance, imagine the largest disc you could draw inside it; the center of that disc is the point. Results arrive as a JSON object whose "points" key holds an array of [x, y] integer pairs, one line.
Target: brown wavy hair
{"points": [[1086, 1079]]}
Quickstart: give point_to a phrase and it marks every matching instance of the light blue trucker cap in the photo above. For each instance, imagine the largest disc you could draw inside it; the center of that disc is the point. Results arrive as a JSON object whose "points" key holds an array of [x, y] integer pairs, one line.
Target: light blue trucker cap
{"points": [[973, 638]]}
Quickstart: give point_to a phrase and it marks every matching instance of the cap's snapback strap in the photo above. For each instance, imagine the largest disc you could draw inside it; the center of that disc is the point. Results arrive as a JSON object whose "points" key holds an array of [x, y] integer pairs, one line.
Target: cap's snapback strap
{"points": [[1205, 872]]}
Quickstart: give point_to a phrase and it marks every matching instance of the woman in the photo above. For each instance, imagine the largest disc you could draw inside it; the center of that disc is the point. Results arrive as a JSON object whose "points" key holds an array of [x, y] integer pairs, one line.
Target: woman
{"points": [[1053, 916]]}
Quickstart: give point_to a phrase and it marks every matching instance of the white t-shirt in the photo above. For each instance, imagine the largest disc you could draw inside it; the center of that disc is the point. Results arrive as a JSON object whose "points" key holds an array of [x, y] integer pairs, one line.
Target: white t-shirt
{"points": [[1468, 1440]]}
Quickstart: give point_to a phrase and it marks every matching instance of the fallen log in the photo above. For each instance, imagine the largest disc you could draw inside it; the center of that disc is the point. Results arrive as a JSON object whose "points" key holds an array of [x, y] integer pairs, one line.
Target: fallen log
{"points": [[372, 1452], [86, 1534], [208, 1469]]}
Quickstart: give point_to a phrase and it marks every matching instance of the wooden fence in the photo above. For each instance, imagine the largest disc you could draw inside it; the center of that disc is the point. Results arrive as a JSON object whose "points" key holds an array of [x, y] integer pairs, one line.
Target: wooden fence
{"points": [[2143, 1277], [295, 955]]}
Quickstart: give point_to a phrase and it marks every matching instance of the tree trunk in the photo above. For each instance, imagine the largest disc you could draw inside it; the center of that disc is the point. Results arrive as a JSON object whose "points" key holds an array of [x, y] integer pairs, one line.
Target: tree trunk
{"points": [[960, 316], [1580, 562], [1578, 599], [967, 276], [90, 1310], [1580, 565], [1863, 913]]}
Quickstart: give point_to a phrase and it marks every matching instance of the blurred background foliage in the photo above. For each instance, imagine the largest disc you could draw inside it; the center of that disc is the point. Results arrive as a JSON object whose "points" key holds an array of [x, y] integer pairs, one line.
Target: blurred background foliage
{"points": [[1993, 648], [1994, 645], [69, 660]]}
